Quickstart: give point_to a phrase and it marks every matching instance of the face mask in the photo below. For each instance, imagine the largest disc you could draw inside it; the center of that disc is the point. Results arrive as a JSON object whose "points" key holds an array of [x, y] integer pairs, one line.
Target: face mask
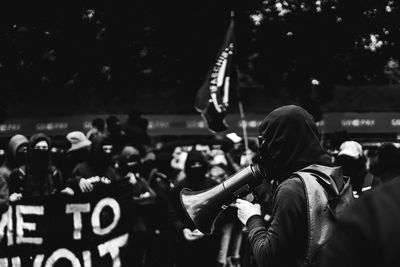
{"points": [[79, 155], [20, 158], [39, 158], [196, 173]]}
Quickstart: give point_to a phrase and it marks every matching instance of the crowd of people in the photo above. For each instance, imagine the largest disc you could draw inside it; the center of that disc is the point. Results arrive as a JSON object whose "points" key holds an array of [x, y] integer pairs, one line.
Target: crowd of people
{"points": [[111, 151]]}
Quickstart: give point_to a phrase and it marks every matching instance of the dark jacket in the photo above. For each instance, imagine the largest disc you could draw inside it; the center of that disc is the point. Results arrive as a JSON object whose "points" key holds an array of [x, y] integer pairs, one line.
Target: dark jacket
{"points": [[38, 176], [201, 252], [291, 144], [368, 232], [98, 164]]}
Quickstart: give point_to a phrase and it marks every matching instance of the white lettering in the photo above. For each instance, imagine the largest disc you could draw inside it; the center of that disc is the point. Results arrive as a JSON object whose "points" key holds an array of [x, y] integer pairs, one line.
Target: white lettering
{"points": [[20, 210], [38, 260], [76, 210], [16, 262], [87, 258], [62, 253], [113, 204], [112, 247], [395, 122]]}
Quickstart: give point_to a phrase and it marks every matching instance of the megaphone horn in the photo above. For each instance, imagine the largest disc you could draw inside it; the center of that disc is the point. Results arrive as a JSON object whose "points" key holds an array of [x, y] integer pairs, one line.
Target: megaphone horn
{"points": [[204, 207]]}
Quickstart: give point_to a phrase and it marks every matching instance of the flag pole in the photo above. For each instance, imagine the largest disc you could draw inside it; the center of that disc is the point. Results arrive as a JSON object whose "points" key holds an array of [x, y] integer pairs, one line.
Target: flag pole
{"points": [[244, 125], [241, 111]]}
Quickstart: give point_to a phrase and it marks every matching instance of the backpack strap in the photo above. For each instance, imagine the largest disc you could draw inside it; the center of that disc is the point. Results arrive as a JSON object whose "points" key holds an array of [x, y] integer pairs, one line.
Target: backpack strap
{"points": [[320, 217]]}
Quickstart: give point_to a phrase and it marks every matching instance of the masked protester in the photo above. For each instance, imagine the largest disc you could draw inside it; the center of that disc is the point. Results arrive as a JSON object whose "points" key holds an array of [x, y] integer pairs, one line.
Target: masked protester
{"points": [[161, 179], [307, 196], [353, 163], [97, 129], [38, 177], [78, 152], [16, 156], [195, 248], [116, 136], [96, 169], [387, 165], [130, 165]]}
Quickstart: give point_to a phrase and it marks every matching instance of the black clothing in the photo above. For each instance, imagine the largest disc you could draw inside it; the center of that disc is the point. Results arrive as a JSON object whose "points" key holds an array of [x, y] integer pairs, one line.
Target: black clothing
{"points": [[290, 143], [38, 176], [201, 252], [361, 180], [28, 183], [368, 232], [85, 170], [286, 239], [98, 164]]}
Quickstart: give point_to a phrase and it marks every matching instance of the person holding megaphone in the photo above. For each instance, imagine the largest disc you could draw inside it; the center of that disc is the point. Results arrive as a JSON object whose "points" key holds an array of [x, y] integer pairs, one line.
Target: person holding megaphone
{"points": [[308, 196]]}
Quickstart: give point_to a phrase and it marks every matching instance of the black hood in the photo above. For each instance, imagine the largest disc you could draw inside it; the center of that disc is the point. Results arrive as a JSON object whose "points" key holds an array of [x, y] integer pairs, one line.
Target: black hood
{"points": [[98, 159], [290, 142]]}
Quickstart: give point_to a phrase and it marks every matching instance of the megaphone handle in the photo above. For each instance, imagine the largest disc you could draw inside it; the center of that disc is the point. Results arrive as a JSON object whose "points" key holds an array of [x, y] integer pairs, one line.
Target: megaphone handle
{"points": [[242, 191]]}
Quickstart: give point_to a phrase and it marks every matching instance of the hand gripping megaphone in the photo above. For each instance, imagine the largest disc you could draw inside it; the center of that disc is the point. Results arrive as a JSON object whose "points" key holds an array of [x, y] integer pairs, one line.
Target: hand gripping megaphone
{"points": [[204, 207]]}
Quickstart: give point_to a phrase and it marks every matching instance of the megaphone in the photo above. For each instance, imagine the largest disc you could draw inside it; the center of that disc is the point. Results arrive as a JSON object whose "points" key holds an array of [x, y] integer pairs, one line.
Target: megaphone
{"points": [[203, 207]]}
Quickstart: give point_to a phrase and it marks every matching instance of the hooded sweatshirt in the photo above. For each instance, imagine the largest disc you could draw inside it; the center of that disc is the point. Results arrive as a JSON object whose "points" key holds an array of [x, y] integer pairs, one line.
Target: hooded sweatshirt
{"points": [[291, 143], [13, 160], [38, 176]]}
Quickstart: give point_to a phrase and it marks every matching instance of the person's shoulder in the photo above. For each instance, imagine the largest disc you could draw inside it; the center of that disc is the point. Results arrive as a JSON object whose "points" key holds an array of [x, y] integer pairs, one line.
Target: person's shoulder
{"points": [[19, 170], [293, 183], [291, 189]]}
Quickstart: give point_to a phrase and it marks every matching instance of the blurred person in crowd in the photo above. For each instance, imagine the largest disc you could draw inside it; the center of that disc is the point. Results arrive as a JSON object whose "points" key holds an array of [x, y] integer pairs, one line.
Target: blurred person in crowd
{"points": [[368, 232], [195, 248], [4, 195], [231, 227], [162, 180], [97, 129], [130, 165], [136, 129], [97, 168], [16, 155], [115, 136], [353, 162], [387, 164], [38, 177], [300, 224], [78, 151], [179, 156]]}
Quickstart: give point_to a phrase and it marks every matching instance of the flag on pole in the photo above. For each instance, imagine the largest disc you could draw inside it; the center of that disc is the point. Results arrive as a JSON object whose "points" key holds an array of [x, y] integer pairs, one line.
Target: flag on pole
{"points": [[212, 99]]}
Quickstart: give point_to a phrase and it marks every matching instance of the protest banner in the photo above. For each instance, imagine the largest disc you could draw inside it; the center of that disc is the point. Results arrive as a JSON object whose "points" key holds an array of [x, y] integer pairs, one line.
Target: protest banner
{"points": [[84, 230]]}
